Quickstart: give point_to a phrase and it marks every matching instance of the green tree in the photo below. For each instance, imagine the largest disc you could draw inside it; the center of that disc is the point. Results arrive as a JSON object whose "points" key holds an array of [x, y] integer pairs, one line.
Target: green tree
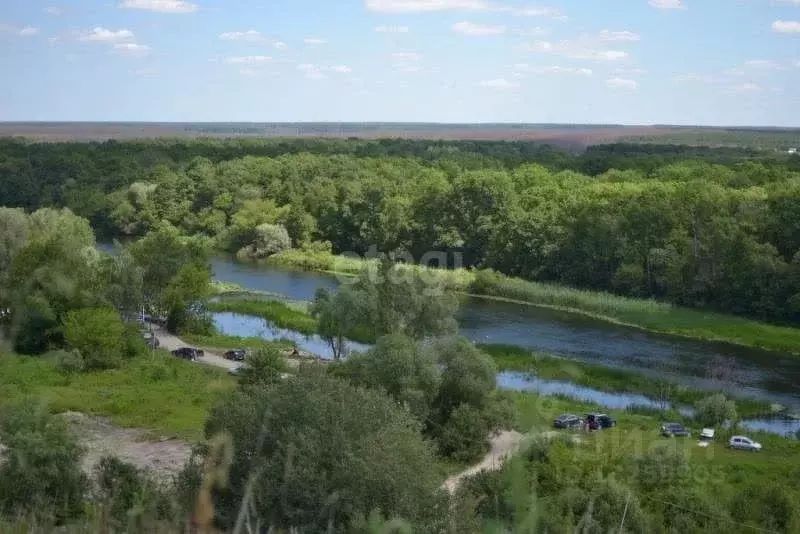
{"points": [[400, 367], [263, 367], [715, 410], [314, 452], [98, 334]]}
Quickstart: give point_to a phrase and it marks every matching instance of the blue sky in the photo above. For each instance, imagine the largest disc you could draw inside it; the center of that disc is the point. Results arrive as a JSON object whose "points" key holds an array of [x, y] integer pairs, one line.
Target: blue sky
{"points": [[715, 62]]}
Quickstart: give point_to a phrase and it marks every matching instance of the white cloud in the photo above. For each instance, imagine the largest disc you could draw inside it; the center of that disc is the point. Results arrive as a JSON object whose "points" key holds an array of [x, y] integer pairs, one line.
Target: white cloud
{"points": [[533, 32], [786, 26], [477, 30], [622, 83], [53, 11], [131, 49], [280, 45], [554, 69], [406, 56], [248, 59], [580, 49], [391, 29], [425, 6], [314, 41], [499, 83], [249, 36], [27, 31], [317, 72], [607, 35], [694, 77], [668, 4], [161, 6], [763, 64], [629, 71], [147, 73], [104, 35], [747, 88], [430, 6]]}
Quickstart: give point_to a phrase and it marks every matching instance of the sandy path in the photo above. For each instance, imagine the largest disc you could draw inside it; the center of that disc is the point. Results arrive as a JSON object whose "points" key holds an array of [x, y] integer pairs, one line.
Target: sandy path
{"points": [[504, 445]]}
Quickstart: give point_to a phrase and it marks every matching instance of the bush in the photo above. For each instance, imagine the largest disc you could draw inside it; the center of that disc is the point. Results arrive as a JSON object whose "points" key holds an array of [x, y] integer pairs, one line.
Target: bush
{"points": [[662, 467], [99, 335], [715, 410], [262, 368], [40, 469], [67, 362], [464, 437]]}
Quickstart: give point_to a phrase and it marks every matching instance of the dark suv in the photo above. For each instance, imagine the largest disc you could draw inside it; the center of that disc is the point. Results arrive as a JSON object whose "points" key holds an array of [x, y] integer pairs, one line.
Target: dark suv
{"points": [[669, 430], [236, 355], [188, 353], [599, 421], [568, 421]]}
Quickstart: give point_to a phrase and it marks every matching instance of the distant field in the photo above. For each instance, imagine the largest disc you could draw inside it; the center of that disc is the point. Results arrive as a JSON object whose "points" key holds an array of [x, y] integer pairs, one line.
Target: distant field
{"points": [[563, 135], [567, 136]]}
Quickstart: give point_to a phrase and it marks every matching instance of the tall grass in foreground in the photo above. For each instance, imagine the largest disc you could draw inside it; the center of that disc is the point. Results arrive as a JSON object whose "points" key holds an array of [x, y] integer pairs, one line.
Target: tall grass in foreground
{"points": [[647, 314]]}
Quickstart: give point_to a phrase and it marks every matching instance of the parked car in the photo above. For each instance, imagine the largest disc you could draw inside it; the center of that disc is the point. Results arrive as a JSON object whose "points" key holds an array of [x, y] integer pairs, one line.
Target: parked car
{"points": [[236, 355], [568, 420], [150, 339], [670, 430], [744, 443], [188, 353], [706, 437], [599, 421]]}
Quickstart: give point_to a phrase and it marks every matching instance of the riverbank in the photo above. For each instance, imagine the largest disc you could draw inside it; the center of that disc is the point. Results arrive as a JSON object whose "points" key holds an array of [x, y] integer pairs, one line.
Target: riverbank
{"points": [[648, 315], [664, 392]]}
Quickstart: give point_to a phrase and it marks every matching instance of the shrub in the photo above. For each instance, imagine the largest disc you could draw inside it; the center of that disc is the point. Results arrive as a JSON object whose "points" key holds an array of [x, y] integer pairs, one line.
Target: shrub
{"points": [[68, 362], [463, 436], [40, 469], [99, 335], [715, 410]]}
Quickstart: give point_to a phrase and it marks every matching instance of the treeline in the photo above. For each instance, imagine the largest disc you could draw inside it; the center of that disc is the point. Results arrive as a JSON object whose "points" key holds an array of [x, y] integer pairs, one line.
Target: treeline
{"points": [[693, 233]]}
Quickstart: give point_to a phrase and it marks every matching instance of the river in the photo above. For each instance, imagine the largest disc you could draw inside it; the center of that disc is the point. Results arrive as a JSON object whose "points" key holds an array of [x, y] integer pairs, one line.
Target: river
{"points": [[763, 374]]}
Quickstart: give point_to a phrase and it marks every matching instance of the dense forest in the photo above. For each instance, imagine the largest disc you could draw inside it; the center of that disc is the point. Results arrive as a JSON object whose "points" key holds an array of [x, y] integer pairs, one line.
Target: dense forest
{"points": [[363, 444], [700, 227]]}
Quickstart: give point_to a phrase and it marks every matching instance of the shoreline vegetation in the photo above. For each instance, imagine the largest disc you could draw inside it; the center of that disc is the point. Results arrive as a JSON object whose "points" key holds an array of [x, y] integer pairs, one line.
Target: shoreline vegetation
{"points": [[648, 315], [289, 315]]}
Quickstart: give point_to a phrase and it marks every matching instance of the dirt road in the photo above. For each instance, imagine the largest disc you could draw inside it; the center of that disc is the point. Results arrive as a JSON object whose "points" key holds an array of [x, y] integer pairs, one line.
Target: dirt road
{"points": [[503, 445], [168, 341]]}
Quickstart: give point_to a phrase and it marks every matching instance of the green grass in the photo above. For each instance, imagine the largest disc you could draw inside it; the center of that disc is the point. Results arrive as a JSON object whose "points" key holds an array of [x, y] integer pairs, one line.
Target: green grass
{"points": [[156, 392], [550, 367], [279, 313], [636, 434], [221, 341], [651, 315]]}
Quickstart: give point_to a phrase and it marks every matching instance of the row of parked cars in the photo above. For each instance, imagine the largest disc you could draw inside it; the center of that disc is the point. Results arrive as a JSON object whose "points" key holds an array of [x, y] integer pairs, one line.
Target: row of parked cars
{"points": [[598, 421]]}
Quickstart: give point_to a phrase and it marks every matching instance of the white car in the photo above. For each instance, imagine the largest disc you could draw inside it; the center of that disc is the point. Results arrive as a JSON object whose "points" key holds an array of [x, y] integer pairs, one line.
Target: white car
{"points": [[744, 443]]}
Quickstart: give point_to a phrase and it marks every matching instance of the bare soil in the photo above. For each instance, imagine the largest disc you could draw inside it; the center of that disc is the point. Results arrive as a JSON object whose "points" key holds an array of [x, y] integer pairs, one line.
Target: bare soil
{"points": [[162, 456]]}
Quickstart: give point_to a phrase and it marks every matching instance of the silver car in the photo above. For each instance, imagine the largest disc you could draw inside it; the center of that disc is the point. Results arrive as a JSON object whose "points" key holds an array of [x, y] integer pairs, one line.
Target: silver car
{"points": [[744, 443]]}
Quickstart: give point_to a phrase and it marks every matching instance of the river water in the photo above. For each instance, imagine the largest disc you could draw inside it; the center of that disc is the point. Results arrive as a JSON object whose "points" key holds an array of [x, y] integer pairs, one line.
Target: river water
{"points": [[743, 371]]}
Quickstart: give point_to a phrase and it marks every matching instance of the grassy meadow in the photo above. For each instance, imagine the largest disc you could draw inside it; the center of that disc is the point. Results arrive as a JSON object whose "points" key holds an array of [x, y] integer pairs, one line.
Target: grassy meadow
{"points": [[157, 392]]}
